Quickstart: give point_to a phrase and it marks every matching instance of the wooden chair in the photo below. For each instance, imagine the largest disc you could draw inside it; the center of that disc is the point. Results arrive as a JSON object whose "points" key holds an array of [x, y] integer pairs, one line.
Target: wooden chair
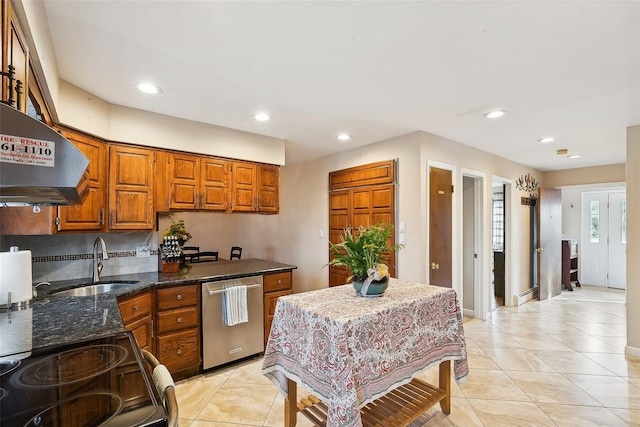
{"points": [[236, 252], [207, 256], [188, 252]]}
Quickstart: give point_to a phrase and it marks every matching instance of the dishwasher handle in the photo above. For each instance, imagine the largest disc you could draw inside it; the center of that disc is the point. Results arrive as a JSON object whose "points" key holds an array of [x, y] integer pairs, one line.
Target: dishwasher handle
{"points": [[219, 291]]}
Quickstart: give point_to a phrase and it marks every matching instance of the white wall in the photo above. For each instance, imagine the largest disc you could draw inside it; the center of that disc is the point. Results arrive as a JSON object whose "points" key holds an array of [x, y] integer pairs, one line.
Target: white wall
{"points": [[633, 240]]}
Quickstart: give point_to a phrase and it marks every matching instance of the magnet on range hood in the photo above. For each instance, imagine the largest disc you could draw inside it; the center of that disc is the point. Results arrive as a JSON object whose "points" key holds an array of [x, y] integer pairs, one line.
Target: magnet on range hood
{"points": [[38, 166]]}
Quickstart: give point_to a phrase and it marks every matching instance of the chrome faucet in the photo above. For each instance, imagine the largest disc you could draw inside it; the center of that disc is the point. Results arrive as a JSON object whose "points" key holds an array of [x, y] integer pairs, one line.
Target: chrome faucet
{"points": [[97, 261]]}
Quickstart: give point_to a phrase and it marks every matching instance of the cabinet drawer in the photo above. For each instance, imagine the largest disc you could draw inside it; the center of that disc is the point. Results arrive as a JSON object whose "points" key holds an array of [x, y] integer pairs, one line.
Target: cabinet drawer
{"points": [[177, 296], [177, 319], [277, 281], [179, 350], [135, 307]]}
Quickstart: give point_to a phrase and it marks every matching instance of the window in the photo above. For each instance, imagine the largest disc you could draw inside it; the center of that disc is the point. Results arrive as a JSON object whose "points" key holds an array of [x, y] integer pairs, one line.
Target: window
{"points": [[594, 221], [498, 219]]}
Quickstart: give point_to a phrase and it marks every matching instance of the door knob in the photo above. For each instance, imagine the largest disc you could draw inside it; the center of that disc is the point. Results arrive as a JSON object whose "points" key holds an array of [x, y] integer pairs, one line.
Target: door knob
{"points": [[435, 266]]}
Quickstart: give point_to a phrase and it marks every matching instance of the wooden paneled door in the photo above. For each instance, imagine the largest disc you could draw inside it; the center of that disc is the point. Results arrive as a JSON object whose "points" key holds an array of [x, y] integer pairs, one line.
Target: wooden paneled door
{"points": [[549, 242], [360, 204], [440, 227]]}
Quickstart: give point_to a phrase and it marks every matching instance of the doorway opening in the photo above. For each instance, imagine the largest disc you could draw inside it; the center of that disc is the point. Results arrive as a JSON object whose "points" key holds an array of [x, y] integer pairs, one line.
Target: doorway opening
{"points": [[498, 244], [472, 248]]}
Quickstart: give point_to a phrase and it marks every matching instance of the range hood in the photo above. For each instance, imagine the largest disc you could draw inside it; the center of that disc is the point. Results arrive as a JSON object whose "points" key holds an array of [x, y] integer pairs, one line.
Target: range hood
{"points": [[38, 166]]}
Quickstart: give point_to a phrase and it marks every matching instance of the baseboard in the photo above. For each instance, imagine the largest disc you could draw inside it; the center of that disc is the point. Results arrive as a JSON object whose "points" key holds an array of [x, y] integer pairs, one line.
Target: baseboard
{"points": [[467, 313], [524, 296], [632, 351]]}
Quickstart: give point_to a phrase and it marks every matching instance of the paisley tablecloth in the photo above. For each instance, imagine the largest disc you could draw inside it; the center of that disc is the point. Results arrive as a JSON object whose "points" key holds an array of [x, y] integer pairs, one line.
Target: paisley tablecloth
{"points": [[349, 350]]}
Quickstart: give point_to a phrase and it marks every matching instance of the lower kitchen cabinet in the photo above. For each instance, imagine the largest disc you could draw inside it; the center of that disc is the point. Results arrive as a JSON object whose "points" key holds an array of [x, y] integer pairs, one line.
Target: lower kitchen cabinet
{"points": [[275, 286], [178, 329], [137, 315]]}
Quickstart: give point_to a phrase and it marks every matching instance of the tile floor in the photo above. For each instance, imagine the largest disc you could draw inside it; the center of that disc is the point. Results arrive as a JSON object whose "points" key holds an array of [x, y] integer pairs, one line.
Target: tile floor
{"points": [[558, 362]]}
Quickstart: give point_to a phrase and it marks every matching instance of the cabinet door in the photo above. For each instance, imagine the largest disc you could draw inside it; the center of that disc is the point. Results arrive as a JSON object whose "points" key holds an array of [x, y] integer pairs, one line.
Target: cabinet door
{"points": [[243, 188], [184, 172], [90, 215], [268, 189], [214, 184], [131, 188], [17, 54]]}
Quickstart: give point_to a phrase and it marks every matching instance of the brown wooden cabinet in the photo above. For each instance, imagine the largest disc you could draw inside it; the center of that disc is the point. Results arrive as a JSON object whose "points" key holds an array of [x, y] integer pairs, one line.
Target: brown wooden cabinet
{"points": [[15, 52], [570, 264], [137, 315], [255, 188], [275, 286], [178, 328], [90, 216], [131, 188], [198, 182]]}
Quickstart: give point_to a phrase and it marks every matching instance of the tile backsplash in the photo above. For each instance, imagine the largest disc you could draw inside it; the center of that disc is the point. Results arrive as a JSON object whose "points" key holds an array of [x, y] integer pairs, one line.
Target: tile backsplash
{"points": [[63, 257]]}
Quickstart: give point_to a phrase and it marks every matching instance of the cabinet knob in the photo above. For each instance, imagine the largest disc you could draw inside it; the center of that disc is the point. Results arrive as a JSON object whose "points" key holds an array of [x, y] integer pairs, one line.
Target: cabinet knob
{"points": [[279, 282], [135, 308], [179, 297], [179, 319], [179, 351]]}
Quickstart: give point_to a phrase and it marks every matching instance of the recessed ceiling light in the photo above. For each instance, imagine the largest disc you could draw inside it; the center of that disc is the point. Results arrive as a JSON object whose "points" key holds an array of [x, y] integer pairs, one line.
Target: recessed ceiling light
{"points": [[262, 117], [574, 156], [344, 137], [495, 114], [149, 88], [546, 140]]}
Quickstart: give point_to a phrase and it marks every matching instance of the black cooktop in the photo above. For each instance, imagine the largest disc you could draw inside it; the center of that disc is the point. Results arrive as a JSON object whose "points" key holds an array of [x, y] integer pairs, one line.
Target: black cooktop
{"points": [[93, 383]]}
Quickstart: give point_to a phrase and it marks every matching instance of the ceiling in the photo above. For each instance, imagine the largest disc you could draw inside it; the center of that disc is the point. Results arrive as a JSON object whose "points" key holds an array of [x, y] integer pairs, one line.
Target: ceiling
{"points": [[374, 70]]}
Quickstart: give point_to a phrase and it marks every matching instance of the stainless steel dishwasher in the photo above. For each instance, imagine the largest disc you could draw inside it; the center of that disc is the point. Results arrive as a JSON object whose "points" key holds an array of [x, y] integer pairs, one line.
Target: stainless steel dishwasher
{"points": [[221, 343]]}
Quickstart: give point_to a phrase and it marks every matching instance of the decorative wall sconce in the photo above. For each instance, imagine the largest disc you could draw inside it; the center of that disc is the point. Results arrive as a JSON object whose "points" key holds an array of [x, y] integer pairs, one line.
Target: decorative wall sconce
{"points": [[530, 185]]}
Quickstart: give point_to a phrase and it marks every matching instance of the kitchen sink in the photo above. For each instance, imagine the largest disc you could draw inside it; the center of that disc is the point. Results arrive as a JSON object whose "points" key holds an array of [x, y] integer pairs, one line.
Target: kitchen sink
{"points": [[94, 288]]}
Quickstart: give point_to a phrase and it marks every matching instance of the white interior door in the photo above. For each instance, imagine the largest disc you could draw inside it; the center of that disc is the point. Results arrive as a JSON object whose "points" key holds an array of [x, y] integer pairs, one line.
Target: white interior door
{"points": [[592, 259], [617, 256]]}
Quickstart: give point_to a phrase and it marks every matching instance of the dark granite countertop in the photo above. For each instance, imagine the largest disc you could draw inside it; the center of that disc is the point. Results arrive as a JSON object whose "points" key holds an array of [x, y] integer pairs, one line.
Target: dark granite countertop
{"points": [[55, 320]]}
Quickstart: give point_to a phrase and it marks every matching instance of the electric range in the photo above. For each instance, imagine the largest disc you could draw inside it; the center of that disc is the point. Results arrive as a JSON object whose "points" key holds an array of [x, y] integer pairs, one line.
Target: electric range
{"points": [[100, 382]]}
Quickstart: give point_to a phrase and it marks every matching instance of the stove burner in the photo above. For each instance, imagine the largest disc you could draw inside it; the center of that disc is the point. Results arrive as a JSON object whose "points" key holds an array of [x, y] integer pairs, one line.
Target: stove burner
{"points": [[3, 393], [96, 409], [7, 366], [71, 366]]}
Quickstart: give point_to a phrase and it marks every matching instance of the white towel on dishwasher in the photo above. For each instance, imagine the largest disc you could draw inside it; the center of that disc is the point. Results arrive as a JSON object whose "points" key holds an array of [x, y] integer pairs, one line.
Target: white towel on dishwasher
{"points": [[234, 305]]}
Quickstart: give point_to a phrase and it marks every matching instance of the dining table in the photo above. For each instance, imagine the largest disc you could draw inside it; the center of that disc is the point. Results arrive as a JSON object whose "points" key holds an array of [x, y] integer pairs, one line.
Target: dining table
{"points": [[360, 356]]}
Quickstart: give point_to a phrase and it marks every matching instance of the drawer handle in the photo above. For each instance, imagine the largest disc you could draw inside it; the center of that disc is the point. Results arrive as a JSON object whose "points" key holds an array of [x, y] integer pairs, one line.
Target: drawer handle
{"points": [[179, 319], [279, 282], [179, 297], [135, 308], [179, 351]]}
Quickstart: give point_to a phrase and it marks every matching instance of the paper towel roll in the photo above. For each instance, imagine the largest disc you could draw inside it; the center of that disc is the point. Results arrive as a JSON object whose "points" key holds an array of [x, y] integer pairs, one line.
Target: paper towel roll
{"points": [[15, 277]]}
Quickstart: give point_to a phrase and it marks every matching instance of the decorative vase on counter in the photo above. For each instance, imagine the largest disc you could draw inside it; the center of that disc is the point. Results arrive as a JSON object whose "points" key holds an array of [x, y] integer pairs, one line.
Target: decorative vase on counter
{"points": [[375, 288]]}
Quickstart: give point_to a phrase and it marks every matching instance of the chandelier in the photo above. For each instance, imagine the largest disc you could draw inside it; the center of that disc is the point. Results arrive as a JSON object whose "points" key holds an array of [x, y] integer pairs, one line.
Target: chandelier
{"points": [[529, 184]]}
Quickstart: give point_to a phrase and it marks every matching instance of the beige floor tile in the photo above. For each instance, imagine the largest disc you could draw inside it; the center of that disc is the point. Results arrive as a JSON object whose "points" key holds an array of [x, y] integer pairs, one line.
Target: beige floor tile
{"points": [[598, 329], [630, 416], [478, 359], [586, 343], [183, 422], [240, 403], [495, 385], [571, 362], [275, 418], [540, 341], [193, 396], [610, 391], [494, 340], [581, 416], [250, 373], [510, 414], [551, 388], [617, 363], [199, 423], [462, 414], [512, 359]]}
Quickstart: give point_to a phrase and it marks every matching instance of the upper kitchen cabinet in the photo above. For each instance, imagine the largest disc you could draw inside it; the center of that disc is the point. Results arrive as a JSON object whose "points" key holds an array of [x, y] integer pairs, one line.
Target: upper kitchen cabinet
{"points": [[15, 54], [131, 188], [90, 216], [198, 182], [254, 188]]}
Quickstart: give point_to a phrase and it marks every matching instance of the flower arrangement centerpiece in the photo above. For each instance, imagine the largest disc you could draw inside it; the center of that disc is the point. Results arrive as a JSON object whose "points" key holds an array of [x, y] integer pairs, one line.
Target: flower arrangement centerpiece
{"points": [[173, 239], [365, 252]]}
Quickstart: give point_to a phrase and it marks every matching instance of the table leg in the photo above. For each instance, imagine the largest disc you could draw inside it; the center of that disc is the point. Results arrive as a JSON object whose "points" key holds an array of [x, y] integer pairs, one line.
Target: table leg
{"points": [[445, 384], [291, 404]]}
